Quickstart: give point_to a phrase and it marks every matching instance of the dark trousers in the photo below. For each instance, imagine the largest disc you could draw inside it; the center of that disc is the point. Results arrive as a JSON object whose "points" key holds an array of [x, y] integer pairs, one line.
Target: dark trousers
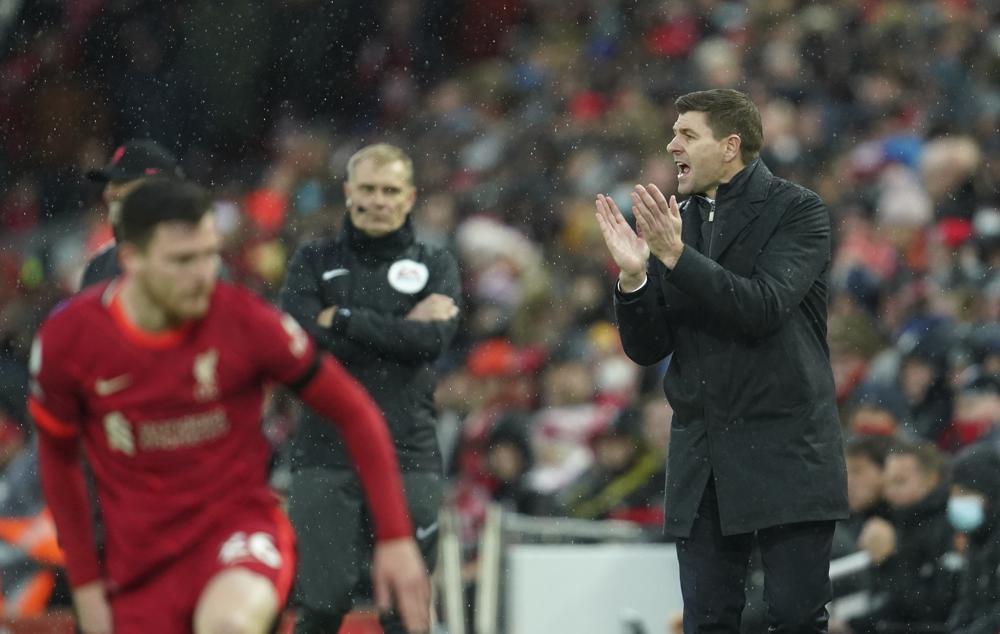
{"points": [[335, 542], [713, 570]]}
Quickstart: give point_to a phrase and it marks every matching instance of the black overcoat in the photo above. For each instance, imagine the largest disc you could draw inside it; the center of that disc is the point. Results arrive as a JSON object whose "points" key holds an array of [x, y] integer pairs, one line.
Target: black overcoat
{"points": [[749, 375]]}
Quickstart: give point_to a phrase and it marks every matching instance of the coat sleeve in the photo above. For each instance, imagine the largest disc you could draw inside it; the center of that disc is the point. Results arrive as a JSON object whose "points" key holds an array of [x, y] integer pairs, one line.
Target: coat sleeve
{"points": [[402, 339], [784, 271], [300, 297], [643, 320]]}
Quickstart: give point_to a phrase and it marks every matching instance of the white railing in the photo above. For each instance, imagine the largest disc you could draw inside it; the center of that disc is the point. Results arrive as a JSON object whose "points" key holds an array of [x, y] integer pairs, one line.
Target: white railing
{"points": [[501, 525]]}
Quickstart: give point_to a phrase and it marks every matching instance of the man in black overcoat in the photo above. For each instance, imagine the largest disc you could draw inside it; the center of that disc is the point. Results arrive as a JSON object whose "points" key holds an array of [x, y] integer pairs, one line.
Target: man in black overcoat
{"points": [[732, 286]]}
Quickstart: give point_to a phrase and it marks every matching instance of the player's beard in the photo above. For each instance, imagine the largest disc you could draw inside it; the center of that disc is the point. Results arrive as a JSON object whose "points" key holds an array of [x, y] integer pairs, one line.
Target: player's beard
{"points": [[177, 306]]}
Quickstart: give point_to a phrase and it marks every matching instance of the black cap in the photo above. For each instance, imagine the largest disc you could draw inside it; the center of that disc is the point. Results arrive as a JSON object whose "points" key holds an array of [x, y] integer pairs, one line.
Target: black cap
{"points": [[977, 468], [136, 159]]}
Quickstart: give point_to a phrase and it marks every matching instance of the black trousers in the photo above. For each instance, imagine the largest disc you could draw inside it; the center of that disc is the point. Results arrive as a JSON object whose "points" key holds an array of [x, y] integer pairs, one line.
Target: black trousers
{"points": [[335, 542], [713, 570]]}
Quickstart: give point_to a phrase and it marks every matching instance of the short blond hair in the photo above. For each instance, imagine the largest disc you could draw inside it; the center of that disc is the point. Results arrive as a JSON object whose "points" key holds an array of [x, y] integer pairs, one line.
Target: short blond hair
{"points": [[381, 154]]}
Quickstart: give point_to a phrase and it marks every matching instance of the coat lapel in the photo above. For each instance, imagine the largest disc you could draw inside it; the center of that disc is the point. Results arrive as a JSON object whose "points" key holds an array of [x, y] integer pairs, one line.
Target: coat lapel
{"points": [[732, 219], [691, 222]]}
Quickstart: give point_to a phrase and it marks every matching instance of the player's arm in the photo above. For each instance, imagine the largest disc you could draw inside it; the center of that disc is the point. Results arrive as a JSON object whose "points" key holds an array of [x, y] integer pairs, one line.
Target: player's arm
{"points": [[54, 405], [398, 571], [65, 492], [334, 394], [54, 410]]}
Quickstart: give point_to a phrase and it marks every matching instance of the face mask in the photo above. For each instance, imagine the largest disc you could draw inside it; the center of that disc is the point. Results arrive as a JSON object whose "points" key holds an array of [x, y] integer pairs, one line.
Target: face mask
{"points": [[965, 513]]}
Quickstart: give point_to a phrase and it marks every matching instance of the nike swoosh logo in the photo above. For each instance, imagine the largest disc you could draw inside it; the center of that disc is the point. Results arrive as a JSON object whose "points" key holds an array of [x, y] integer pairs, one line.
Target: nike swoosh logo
{"points": [[107, 387], [423, 532], [332, 273]]}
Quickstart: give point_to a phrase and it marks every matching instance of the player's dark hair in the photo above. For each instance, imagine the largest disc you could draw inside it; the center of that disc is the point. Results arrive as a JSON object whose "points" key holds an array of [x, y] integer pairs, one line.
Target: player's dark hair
{"points": [[159, 200], [728, 112]]}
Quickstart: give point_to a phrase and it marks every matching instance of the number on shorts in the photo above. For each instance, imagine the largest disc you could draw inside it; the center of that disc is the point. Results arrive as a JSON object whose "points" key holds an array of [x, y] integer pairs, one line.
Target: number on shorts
{"points": [[259, 546]]}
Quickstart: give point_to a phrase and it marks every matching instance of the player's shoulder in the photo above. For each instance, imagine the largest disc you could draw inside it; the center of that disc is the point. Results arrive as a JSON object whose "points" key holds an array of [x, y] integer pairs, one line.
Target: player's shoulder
{"points": [[74, 311], [233, 300], [72, 321], [240, 308]]}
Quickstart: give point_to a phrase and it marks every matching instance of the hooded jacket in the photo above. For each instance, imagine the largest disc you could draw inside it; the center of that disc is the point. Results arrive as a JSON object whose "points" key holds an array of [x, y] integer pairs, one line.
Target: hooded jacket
{"points": [[978, 608]]}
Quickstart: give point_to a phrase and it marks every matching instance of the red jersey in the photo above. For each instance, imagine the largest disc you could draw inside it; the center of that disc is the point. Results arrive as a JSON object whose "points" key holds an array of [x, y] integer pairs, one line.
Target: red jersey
{"points": [[170, 421]]}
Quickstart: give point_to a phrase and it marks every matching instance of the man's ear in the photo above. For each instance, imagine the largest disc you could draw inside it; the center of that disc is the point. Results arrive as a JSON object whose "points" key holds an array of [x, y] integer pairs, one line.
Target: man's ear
{"points": [[733, 146], [411, 199], [130, 257]]}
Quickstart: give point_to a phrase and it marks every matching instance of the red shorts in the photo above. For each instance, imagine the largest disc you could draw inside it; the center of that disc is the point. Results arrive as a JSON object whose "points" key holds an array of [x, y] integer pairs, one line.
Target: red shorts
{"points": [[165, 602]]}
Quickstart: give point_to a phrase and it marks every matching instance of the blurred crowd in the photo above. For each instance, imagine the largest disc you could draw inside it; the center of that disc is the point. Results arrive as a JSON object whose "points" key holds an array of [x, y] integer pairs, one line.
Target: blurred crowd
{"points": [[517, 113]]}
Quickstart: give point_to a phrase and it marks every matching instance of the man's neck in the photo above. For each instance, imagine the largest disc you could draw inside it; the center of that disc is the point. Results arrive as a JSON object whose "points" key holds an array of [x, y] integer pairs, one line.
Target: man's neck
{"points": [[730, 172], [141, 310]]}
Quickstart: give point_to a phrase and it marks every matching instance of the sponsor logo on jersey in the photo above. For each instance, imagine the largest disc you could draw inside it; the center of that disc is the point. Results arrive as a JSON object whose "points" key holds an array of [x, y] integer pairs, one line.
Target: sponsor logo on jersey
{"points": [[164, 435], [107, 387], [118, 431], [186, 431]]}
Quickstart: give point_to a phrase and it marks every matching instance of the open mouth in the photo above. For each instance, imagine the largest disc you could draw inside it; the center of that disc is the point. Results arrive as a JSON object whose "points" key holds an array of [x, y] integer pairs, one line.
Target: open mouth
{"points": [[683, 169]]}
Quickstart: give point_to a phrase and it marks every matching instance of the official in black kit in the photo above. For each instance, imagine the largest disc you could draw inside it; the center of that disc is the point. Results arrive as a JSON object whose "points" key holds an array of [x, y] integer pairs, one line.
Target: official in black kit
{"points": [[386, 306]]}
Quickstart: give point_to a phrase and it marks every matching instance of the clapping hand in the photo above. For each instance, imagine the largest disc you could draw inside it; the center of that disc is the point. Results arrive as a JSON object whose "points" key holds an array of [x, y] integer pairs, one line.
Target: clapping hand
{"points": [[659, 222], [629, 251]]}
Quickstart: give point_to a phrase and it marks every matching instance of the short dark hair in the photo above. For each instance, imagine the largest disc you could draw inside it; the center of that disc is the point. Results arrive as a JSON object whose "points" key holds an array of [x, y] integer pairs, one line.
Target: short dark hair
{"points": [[870, 447], [158, 200], [929, 458], [729, 112]]}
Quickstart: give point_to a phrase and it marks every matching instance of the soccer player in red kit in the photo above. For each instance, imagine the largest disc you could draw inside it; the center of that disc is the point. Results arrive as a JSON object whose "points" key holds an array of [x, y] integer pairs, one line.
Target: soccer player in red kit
{"points": [[160, 377]]}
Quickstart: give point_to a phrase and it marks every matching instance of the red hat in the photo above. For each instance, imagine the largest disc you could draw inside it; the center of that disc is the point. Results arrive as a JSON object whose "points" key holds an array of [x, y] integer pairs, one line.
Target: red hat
{"points": [[955, 232]]}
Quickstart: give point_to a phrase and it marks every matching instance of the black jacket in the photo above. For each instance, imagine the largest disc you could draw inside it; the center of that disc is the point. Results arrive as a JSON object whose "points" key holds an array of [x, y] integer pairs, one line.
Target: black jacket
{"points": [[102, 267], [749, 378], [917, 585], [977, 610], [377, 281]]}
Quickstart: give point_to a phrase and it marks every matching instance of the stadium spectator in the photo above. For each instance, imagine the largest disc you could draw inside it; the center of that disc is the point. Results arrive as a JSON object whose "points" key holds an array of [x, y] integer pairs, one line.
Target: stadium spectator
{"points": [[974, 510], [915, 578], [626, 479], [865, 456], [129, 165]]}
